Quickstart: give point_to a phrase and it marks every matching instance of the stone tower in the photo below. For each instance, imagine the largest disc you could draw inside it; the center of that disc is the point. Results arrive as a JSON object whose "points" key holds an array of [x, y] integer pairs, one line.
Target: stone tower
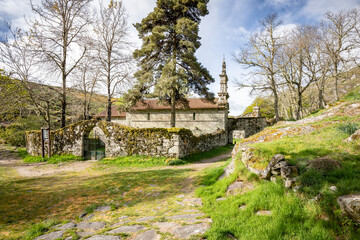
{"points": [[223, 94]]}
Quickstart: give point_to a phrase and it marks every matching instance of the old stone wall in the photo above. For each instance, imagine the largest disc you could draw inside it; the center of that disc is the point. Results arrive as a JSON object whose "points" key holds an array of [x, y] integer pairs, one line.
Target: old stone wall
{"points": [[123, 141], [245, 126], [198, 121]]}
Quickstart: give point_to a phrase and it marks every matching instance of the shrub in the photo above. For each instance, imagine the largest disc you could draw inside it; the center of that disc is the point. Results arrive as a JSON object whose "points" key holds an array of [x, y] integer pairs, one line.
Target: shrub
{"points": [[14, 134], [348, 128]]}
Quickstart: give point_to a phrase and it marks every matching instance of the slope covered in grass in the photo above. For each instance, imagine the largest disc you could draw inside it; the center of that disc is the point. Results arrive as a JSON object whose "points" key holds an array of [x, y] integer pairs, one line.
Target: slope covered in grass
{"points": [[293, 214]]}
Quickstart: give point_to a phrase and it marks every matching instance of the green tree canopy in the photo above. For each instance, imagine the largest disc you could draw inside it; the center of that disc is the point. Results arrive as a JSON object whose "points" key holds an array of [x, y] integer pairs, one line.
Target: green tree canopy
{"points": [[266, 107], [168, 66]]}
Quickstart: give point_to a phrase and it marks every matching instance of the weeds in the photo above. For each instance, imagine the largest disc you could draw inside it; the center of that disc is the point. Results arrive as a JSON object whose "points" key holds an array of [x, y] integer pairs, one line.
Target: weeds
{"points": [[348, 128]]}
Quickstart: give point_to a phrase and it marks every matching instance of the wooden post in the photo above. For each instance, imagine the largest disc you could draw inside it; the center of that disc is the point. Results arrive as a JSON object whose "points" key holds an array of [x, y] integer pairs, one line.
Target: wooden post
{"points": [[49, 144], [42, 143]]}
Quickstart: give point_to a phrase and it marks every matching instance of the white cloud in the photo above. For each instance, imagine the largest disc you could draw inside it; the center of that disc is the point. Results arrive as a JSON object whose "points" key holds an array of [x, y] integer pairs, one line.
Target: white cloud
{"points": [[316, 8]]}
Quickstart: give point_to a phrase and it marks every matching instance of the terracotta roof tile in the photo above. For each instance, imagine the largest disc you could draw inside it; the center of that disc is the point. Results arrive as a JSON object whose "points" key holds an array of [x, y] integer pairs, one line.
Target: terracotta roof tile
{"points": [[193, 103], [114, 112], [154, 104]]}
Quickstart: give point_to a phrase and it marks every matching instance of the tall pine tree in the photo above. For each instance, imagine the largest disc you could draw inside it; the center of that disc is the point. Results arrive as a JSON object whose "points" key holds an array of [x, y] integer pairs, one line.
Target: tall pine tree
{"points": [[168, 66]]}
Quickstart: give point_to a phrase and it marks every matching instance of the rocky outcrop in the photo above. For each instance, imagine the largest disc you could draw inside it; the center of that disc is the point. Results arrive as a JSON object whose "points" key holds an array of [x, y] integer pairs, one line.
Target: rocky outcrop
{"points": [[354, 137], [350, 205]]}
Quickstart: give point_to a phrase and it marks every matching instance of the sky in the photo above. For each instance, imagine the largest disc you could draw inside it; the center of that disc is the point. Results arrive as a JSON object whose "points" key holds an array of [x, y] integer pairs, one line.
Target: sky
{"points": [[223, 31]]}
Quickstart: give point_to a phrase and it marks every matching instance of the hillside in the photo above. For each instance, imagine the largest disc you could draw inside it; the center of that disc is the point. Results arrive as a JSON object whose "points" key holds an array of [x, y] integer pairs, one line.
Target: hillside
{"points": [[300, 198]]}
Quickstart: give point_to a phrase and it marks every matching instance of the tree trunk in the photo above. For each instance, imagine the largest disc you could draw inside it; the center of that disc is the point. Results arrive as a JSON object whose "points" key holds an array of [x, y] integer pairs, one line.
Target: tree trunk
{"points": [[173, 103], [276, 106], [63, 102], [336, 78]]}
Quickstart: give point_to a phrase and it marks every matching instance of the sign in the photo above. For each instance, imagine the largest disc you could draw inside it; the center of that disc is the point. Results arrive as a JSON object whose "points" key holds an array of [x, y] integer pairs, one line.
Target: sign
{"points": [[45, 133]]}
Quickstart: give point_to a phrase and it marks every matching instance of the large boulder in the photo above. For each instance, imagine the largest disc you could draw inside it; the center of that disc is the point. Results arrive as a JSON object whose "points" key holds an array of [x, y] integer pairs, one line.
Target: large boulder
{"points": [[350, 205]]}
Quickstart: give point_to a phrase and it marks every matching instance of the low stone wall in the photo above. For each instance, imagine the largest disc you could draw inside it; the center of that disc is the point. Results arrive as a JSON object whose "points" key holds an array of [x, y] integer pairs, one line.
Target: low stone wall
{"points": [[123, 141], [245, 126]]}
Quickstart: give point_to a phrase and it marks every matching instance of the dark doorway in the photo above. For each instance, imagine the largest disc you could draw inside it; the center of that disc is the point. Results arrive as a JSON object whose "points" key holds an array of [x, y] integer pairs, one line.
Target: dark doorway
{"points": [[94, 148]]}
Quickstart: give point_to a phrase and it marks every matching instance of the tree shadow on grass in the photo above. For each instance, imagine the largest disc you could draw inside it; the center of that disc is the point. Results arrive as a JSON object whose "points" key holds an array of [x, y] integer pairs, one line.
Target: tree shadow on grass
{"points": [[36, 199]]}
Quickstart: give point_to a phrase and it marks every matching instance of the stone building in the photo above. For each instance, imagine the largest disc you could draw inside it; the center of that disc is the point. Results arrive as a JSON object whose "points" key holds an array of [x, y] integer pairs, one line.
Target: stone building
{"points": [[197, 114]]}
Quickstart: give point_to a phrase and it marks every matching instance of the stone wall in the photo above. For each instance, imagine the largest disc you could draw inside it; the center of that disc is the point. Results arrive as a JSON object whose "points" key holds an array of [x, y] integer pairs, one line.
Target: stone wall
{"points": [[245, 126], [206, 121], [123, 141]]}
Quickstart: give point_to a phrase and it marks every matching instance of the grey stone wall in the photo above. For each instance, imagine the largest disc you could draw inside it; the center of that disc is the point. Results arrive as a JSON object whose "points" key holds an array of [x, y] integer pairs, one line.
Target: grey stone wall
{"points": [[249, 126], [206, 121], [123, 141]]}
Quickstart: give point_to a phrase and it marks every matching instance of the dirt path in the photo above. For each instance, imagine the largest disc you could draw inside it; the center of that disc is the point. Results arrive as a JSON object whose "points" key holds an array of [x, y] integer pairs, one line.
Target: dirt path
{"points": [[9, 158]]}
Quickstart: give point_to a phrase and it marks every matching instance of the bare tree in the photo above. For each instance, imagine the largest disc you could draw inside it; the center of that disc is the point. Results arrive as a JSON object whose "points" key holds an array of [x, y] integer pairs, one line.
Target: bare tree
{"points": [[260, 54], [113, 54], [298, 64], [87, 80], [337, 29], [19, 61], [57, 32]]}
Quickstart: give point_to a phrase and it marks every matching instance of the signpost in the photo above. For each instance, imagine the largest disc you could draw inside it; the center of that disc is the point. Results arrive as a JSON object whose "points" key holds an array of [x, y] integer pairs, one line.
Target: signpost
{"points": [[45, 138]]}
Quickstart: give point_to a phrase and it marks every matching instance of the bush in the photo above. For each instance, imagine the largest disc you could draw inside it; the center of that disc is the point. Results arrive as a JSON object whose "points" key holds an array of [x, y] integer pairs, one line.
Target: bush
{"points": [[348, 128], [14, 134]]}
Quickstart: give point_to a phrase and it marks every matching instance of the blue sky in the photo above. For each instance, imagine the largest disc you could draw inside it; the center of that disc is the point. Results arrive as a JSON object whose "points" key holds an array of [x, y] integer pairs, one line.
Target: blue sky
{"points": [[223, 31]]}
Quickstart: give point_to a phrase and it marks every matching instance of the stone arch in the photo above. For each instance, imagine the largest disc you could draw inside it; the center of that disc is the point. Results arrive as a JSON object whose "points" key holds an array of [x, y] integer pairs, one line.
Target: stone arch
{"points": [[94, 143]]}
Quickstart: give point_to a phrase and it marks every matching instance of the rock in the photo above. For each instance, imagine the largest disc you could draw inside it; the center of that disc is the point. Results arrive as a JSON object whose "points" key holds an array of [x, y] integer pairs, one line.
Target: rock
{"points": [[242, 207], [288, 183], [51, 236], [193, 201], [84, 234], [104, 237], [185, 216], [296, 188], [89, 217], [273, 179], [144, 219], [220, 199], [82, 215], [333, 189], [275, 172], [148, 235], [235, 187], [67, 226], [166, 226], [350, 205], [280, 165], [263, 213], [180, 203], [119, 223], [187, 231], [104, 208], [289, 171], [354, 137], [92, 226], [276, 159], [181, 196], [123, 217], [127, 229], [229, 169]]}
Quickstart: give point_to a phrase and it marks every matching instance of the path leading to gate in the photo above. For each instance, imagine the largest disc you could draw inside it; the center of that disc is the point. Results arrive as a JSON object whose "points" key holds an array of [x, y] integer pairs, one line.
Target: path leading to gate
{"points": [[173, 217]]}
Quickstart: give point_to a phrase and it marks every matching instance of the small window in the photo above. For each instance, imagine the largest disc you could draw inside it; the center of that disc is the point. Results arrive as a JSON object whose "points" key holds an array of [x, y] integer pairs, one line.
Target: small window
{"points": [[148, 117], [194, 116]]}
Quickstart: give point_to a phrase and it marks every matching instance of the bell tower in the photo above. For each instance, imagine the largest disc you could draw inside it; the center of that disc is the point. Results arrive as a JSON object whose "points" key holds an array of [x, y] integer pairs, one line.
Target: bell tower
{"points": [[223, 94]]}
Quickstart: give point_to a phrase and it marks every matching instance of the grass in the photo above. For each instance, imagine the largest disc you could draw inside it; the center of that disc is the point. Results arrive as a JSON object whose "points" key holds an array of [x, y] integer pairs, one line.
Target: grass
{"points": [[54, 159], [209, 154], [293, 217], [28, 201], [147, 161]]}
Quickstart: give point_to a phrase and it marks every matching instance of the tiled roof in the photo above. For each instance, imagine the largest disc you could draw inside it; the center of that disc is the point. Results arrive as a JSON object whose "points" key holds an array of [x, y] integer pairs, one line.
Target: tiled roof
{"points": [[114, 112], [192, 103], [146, 105]]}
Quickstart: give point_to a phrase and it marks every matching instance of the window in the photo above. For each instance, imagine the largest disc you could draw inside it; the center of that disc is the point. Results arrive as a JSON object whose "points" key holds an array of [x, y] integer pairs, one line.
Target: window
{"points": [[194, 116], [148, 117]]}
